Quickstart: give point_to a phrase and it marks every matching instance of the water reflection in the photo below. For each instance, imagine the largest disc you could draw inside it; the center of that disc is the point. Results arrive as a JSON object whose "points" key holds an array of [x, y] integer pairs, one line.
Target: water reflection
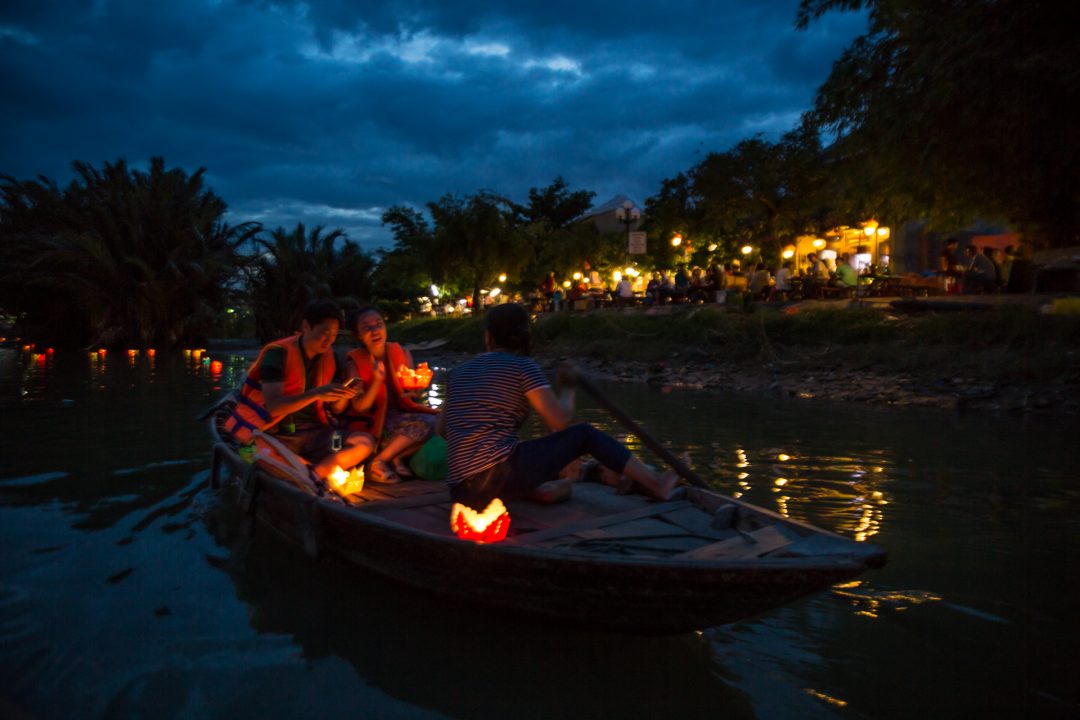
{"points": [[127, 590], [457, 659]]}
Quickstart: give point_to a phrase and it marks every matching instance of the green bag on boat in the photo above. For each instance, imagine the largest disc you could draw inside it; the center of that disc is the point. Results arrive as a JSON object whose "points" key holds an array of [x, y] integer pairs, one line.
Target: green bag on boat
{"points": [[429, 462]]}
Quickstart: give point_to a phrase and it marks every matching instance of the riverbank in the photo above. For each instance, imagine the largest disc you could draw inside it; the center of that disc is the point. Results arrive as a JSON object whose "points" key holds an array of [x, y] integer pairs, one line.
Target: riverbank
{"points": [[1003, 356]]}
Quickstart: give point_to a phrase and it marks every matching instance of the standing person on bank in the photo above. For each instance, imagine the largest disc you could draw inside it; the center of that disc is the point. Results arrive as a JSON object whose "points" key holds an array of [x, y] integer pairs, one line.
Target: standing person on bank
{"points": [[488, 399], [287, 387]]}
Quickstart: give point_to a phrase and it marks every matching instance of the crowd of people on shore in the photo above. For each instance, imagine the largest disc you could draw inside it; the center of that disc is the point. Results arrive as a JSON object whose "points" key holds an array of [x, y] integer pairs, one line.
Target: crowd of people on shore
{"points": [[299, 398], [976, 271], [694, 284]]}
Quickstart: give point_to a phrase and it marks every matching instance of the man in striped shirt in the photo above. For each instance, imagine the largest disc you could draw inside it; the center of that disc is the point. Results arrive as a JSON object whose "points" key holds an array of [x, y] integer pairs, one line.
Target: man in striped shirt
{"points": [[487, 402]]}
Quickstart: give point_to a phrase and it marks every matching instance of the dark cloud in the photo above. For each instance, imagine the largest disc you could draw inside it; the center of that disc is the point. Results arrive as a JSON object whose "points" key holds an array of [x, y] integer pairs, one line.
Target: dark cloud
{"points": [[328, 112]]}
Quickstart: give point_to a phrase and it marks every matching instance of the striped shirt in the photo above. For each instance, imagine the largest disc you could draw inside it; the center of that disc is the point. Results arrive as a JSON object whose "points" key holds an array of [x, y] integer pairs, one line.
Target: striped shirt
{"points": [[485, 409]]}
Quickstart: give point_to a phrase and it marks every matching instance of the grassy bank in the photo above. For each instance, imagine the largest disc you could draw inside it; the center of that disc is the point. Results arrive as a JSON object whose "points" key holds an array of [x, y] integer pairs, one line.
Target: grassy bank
{"points": [[1007, 345]]}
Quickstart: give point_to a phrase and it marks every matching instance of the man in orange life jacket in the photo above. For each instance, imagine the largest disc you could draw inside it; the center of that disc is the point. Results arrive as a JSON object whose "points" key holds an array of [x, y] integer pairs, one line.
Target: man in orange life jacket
{"points": [[288, 385]]}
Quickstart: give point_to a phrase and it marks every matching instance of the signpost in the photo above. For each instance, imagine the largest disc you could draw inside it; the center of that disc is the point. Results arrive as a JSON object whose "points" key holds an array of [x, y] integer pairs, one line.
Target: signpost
{"points": [[636, 243]]}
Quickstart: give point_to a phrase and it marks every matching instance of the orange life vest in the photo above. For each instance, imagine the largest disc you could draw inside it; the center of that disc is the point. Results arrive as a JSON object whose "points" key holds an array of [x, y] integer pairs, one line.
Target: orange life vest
{"points": [[250, 412], [373, 419]]}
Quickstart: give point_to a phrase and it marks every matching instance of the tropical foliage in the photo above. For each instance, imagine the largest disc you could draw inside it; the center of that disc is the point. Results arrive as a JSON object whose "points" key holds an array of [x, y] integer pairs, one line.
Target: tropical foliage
{"points": [[293, 268], [118, 256], [958, 108], [757, 192]]}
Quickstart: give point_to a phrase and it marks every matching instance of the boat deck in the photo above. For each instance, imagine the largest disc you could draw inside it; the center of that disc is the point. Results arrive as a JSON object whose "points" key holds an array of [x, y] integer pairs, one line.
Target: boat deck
{"points": [[597, 520]]}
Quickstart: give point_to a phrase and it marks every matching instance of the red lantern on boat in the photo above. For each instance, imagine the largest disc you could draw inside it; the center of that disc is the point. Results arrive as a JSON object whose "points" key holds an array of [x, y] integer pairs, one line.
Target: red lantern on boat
{"points": [[489, 526], [417, 379]]}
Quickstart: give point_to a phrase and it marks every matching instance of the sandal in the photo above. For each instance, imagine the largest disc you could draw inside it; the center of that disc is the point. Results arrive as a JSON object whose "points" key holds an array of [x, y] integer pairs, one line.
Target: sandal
{"points": [[403, 470], [381, 473]]}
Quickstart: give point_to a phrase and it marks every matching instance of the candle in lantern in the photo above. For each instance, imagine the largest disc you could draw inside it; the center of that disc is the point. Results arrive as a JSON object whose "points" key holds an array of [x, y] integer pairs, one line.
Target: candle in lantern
{"points": [[488, 526], [347, 482], [417, 379]]}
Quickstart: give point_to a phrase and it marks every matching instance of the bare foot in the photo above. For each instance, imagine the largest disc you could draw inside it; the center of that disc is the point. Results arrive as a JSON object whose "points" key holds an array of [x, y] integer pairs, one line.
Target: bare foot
{"points": [[668, 485]]}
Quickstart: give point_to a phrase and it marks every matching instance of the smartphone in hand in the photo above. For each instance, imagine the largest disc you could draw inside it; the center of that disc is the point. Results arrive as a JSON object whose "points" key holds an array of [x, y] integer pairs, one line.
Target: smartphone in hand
{"points": [[350, 382]]}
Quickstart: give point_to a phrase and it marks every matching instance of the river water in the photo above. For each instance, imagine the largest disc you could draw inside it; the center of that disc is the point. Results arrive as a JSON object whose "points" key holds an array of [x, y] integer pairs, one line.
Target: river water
{"points": [[127, 589]]}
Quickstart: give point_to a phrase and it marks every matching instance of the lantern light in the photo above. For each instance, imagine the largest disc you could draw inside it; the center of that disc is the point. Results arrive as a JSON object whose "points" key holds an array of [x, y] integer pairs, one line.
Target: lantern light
{"points": [[566, 283], [417, 379], [747, 249], [712, 247], [789, 252], [818, 243], [488, 526], [676, 240], [502, 277], [347, 483], [617, 276], [577, 276]]}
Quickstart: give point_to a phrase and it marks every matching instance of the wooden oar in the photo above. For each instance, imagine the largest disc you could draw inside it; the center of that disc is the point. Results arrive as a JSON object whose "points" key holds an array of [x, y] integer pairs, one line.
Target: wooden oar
{"points": [[650, 442]]}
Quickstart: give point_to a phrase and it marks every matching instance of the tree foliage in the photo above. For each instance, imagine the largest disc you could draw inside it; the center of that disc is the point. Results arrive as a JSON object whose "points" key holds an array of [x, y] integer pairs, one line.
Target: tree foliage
{"points": [[477, 238], [118, 256], [960, 108], [555, 240], [759, 193], [297, 266]]}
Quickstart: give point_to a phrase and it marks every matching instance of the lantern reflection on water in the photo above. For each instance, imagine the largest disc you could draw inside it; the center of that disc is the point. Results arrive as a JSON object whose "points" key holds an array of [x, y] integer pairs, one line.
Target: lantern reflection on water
{"points": [[489, 526], [417, 379]]}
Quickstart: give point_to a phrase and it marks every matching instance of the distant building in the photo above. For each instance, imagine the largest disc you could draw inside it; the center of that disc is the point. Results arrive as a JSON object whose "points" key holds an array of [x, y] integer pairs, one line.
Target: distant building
{"points": [[605, 219]]}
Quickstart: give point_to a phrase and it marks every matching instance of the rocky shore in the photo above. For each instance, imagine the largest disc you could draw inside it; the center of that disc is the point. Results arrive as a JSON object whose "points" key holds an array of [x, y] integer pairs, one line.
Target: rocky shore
{"points": [[690, 370]]}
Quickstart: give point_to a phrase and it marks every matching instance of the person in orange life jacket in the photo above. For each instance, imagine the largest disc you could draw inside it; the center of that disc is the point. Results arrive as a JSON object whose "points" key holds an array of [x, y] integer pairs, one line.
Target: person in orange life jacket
{"points": [[287, 386], [383, 409]]}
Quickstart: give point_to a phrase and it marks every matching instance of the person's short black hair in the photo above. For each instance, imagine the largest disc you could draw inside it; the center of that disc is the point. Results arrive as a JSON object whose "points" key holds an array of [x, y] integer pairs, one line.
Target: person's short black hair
{"points": [[322, 309], [509, 327]]}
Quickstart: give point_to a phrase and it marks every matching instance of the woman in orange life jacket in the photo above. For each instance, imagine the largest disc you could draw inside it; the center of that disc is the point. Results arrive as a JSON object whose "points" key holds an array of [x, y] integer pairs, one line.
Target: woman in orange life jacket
{"points": [[383, 409]]}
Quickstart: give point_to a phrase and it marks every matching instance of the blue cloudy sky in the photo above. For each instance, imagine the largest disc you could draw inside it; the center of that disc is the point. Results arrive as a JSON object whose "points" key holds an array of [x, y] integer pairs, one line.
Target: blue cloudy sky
{"points": [[328, 112]]}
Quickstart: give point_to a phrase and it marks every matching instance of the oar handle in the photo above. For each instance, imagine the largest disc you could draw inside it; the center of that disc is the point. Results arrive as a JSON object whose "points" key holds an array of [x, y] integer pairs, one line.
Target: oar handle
{"points": [[650, 442]]}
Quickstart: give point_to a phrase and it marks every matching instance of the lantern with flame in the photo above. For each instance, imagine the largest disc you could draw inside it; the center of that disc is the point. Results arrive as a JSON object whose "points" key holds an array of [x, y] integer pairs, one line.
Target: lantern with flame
{"points": [[489, 526], [347, 482], [417, 379]]}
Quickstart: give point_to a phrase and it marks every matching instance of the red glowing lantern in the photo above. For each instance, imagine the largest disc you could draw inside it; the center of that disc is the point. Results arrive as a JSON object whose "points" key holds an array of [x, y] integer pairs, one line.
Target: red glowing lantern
{"points": [[489, 526], [417, 379], [215, 367], [151, 352]]}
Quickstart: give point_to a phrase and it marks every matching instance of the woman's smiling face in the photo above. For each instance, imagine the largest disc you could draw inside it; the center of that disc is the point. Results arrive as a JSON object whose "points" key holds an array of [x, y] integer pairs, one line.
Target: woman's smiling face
{"points": [[371, 332]]}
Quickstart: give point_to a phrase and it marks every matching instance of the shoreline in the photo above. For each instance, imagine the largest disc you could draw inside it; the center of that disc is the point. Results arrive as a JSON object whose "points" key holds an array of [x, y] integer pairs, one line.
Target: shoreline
{"points": [[842, 385]]}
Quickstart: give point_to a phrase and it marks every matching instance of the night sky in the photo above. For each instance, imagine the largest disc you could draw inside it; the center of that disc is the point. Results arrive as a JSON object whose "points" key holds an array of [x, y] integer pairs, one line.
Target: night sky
{"points": [[329, 112]]}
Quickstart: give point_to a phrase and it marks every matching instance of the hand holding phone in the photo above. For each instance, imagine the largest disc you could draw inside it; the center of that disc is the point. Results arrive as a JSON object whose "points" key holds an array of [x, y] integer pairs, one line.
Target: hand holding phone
{"points": [[350, 382]]}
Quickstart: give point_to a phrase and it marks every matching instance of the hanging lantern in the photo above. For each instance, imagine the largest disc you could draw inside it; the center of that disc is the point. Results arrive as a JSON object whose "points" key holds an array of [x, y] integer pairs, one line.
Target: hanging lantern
{"points": [[489, 526], [417, 379]]}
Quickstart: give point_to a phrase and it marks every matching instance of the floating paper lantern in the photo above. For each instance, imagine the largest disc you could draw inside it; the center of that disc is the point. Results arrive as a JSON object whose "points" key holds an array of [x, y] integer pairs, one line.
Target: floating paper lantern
{"points": [[417, 379], [347, 482], [488, 526]]}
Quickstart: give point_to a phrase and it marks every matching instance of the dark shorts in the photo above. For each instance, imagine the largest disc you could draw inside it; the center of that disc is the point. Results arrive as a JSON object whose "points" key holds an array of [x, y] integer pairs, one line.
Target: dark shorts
{"points": [[537, 461], [312, 443]]}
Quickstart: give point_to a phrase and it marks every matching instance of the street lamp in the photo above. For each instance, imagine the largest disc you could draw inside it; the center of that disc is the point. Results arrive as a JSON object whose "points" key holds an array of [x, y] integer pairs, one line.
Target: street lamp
{"points": [[628, 215]]}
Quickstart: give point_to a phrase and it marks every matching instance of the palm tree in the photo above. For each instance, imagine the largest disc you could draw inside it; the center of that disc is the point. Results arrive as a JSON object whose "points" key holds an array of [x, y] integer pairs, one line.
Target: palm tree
{"points": [[140, 257], [296, 267]]}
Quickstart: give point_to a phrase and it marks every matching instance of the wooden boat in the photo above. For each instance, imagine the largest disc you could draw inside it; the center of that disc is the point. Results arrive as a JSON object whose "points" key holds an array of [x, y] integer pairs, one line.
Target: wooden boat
{"points": [[601, 559]]}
